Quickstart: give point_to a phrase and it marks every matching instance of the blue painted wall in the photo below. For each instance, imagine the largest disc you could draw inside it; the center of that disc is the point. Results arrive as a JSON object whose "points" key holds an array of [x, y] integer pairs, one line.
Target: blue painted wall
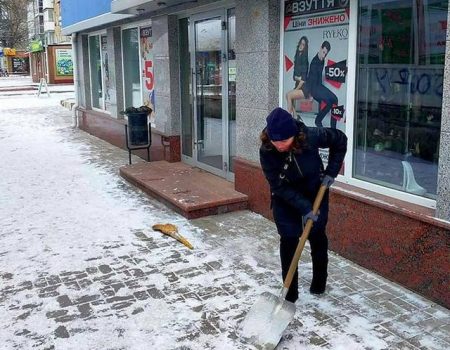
{"points": [[74, 11]]}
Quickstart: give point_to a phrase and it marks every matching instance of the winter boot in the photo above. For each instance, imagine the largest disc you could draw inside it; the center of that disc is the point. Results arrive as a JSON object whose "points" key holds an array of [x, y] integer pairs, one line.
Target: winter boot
{"points": [[319, 280]]}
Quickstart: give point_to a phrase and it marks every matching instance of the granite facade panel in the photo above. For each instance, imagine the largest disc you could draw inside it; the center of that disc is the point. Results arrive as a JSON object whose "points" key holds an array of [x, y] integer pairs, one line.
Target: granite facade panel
{"points": [[442, 202], [161, 71], [162, 114], [248, 130], [160, 37], [174, 81], [252, 26], [252, 82], [445, 119], [118, 72]]}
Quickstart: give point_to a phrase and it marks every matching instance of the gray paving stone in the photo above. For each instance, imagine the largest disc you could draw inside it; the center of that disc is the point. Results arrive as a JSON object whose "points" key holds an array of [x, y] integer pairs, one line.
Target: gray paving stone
{"points": [[155, 293], [86, 299], [137, 311], [84, 283], [66, 318], [61, 332], [92, 270], [40, 283], [141, 295], [102, 277], [85, 310], [107, 292], [57, 313], [64, 301], [31, 306], [72, 285], [24, 315], [133, 284], [206, 327], [53, 280], [121, 305], [428, 342], [47, 292], [119, 298], [104, 269]]}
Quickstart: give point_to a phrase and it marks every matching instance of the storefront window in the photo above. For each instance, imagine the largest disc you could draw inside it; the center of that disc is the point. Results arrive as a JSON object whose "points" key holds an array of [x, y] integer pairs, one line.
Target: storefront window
{"points": [[131, 76], [401, 48], [95, 64]]}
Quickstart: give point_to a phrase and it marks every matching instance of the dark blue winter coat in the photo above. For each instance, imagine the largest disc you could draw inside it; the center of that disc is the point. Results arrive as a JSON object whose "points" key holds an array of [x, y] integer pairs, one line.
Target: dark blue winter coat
{"points": [[295, 177]]}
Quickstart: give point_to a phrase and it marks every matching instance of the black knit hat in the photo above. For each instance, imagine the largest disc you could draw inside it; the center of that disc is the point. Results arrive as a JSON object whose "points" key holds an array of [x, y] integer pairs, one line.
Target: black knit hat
{"points": [[281, 125]]}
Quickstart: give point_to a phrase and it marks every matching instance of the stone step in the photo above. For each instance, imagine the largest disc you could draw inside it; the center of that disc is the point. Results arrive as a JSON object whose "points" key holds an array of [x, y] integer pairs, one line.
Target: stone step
{"points": [[190, 191]]}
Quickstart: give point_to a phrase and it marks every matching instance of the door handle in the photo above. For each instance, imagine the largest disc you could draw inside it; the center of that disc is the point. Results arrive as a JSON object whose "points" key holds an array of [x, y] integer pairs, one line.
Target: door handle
{"points": [[193, 81]]}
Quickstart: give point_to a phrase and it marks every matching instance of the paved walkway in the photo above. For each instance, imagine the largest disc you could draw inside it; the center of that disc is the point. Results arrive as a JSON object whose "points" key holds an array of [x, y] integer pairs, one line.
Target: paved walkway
{"points": [[81, 268], [15, 85]]}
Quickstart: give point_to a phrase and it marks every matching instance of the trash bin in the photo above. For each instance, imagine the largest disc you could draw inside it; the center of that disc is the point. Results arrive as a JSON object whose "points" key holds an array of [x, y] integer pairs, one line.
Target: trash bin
{"points": [[138, 132]]}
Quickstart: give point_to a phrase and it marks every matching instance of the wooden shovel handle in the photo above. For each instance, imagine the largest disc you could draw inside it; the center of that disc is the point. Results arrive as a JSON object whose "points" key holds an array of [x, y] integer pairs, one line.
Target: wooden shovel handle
{"points": [[303, 238]]}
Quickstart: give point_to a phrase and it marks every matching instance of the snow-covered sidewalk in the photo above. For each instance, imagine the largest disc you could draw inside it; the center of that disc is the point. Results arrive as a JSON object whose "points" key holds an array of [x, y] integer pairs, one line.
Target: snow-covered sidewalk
{"points": [[23, 85], [81, 268]]}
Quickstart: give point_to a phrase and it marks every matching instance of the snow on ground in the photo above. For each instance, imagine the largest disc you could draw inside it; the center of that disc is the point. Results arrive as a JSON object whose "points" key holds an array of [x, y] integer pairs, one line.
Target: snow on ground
{"points": [[15, 81], [80, 267]]}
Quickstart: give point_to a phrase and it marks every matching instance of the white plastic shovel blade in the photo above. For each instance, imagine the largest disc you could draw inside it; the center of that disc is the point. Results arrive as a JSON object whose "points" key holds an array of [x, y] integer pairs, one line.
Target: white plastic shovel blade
{"points": [[266, 321]]}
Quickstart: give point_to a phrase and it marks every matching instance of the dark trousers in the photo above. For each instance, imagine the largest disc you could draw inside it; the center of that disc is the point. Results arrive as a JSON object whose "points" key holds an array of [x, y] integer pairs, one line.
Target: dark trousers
{"points": [[289, 226], [321, 93], [319, 254]]}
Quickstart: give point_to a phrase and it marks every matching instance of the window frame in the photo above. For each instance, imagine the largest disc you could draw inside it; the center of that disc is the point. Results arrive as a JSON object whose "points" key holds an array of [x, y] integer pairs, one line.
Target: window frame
{"points": [[98, 34], [136, 25]]}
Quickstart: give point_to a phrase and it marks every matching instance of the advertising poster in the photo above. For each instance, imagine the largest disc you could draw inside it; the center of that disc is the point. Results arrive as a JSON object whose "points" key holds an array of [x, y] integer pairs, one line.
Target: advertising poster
{"points": [[315, 61], [64, 64], [148, 81]]}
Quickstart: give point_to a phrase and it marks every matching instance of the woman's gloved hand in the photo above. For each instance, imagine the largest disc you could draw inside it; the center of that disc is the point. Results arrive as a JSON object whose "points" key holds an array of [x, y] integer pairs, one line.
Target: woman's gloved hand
{"points": [[311, 216], [327, 181]]}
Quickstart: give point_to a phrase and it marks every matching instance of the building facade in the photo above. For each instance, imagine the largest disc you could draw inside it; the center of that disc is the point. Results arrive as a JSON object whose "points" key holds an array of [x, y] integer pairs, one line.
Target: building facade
{"points": [[213, 70]]}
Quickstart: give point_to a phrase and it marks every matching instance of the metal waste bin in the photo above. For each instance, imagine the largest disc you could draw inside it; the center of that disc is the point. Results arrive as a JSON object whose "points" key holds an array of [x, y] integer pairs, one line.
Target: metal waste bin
{"points": [[138, 134], [138, 129]]}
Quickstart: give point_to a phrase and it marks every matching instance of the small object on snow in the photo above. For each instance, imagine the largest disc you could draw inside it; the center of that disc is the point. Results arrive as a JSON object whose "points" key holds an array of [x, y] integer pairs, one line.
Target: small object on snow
{"points": [[172, 231]]}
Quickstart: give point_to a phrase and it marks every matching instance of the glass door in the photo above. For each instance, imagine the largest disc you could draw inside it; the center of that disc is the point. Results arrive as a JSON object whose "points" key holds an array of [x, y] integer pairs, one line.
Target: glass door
{"points": [[208, 77], [208, 82]]}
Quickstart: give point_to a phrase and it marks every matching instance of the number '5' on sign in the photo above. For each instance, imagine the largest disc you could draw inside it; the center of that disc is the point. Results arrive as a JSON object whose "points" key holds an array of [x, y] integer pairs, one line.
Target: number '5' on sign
{"points": [[148, 73]]}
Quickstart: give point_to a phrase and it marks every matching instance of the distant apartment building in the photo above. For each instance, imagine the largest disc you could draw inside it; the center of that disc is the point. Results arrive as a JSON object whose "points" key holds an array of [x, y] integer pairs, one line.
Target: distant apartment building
{"points": [[13, 57], [50, 51]]}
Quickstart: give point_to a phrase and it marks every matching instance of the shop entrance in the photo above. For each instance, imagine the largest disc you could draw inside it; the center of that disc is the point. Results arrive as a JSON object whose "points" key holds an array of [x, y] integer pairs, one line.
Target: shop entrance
{"points": [[208, 86]]}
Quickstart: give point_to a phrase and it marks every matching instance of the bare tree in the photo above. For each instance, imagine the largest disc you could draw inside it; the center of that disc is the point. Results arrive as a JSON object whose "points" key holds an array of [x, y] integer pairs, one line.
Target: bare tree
{"points": [[13, 23]]}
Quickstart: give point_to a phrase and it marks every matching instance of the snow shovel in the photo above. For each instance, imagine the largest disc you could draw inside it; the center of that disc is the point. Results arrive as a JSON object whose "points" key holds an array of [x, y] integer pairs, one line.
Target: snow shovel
{"points": [[270, 315]]}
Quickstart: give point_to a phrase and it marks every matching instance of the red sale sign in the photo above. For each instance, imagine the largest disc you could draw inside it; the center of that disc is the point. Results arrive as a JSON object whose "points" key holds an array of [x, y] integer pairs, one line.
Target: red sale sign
{"points": [[148, 80], [148, 73]]}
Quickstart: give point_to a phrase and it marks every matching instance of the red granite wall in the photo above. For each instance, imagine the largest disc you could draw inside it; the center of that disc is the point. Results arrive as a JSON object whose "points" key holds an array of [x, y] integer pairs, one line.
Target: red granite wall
{"points": [[409, 248], [112, 130]]}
